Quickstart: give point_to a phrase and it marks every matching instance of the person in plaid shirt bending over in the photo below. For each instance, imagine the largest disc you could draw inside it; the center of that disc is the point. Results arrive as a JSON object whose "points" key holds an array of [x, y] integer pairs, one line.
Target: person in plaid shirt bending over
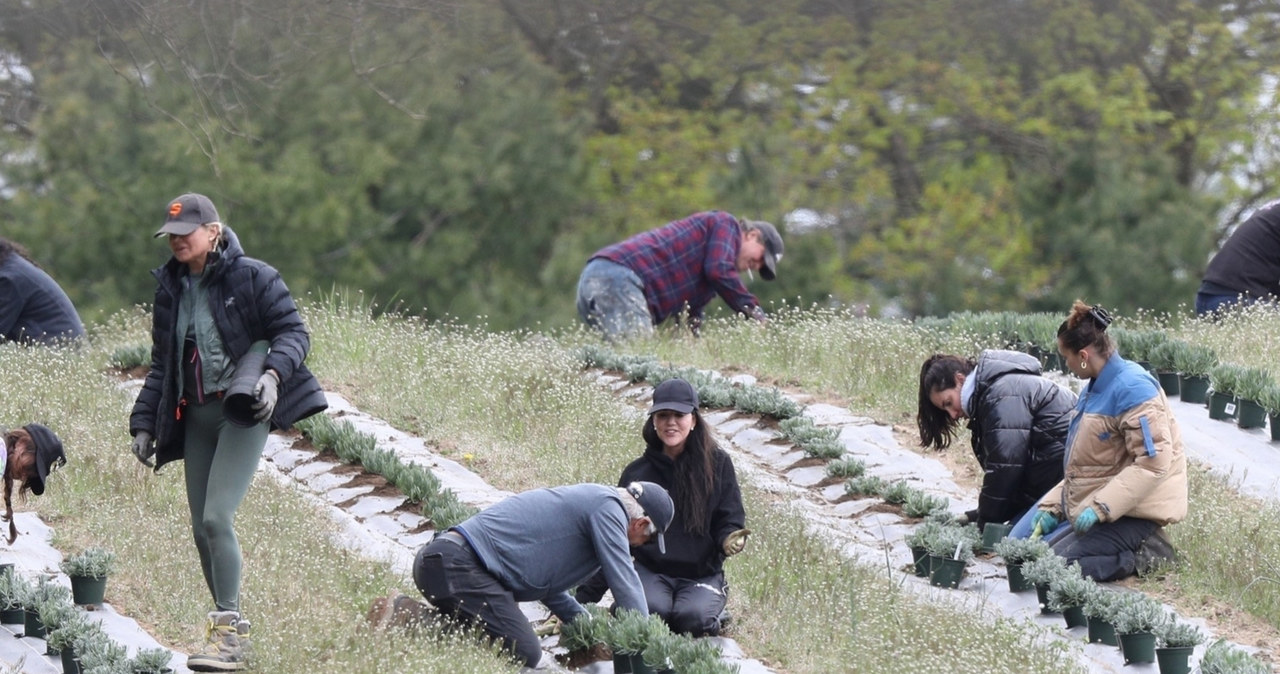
{"points": [[629, 287]]}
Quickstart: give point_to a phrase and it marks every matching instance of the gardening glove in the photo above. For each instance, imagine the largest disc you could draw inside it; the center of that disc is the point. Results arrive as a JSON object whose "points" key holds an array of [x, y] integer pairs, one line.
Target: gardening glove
{"points": [[144, 448], [1086, 520], [547, 627], [735, 542], [966, 517], [264, 394], [1043, 523]]}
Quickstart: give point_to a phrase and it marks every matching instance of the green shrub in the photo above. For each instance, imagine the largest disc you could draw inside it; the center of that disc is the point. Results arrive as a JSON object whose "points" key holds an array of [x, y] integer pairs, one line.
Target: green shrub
{"points": [[846, 468], [1175, 634], [1070, 589], [1045, 570], [586, 630], [898, 492], [923, 533], [1253, 382], [920, 504], [1223, 658], [954, 543], [1163, 357], [866, 485], [1224, 378], [129, 357], [1021, 550], [1269, 398], [1136, 612], [765, 401], [1194, 360], [90, 563]]}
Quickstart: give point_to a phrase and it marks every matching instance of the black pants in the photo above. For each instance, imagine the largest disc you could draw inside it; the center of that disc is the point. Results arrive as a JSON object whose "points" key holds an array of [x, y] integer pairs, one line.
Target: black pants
{"points": [[688, 605], [465, 591], [1106, 551]]}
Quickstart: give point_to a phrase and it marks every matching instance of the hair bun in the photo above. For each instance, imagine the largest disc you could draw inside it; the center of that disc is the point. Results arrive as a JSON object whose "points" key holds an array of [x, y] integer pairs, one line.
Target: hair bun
{"points": [[1100, 316]]}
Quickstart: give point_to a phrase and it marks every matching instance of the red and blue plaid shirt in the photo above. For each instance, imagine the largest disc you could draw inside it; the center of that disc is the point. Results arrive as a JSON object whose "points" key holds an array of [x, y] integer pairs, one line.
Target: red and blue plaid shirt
{"points": [[687, 262]]}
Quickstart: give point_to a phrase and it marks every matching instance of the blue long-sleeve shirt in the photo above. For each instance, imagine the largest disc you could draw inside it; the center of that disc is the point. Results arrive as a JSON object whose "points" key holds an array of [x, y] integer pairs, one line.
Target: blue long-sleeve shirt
{"points": [[543, 542]]}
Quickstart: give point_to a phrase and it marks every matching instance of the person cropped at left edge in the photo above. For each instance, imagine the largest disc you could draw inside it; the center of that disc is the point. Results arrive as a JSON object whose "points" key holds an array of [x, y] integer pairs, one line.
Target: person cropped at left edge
{"points": [[214, 309], [27, 457], [33, 307], [628, 288]]}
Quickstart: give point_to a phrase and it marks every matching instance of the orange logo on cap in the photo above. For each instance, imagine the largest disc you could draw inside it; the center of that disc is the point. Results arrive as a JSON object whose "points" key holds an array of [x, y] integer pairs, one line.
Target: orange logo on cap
{"points": [[174, 209]]}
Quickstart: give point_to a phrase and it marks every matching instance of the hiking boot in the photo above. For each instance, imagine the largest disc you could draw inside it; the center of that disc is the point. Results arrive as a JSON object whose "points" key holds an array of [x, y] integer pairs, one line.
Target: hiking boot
{"points": [[1156, 550], [397, 610], [228, 644]]}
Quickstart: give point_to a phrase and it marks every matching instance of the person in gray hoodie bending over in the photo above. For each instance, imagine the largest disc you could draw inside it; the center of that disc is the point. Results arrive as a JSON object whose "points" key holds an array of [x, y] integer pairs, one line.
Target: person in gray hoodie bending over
{"points": [[1017, 420], [536, 546]]}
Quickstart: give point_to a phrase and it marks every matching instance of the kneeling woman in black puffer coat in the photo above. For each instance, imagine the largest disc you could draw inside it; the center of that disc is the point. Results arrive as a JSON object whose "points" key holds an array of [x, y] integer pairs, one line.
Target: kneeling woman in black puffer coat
{"points": [[685, 583], [1017, 421]]}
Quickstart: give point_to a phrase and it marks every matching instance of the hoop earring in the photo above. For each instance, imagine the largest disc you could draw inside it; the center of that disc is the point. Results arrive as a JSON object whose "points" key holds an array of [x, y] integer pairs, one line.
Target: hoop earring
{"points": [[1083, 364]]}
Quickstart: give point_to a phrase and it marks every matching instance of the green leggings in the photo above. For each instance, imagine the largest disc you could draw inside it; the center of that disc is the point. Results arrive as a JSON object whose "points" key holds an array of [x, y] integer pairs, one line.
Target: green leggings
{"points": [[220, 461]]}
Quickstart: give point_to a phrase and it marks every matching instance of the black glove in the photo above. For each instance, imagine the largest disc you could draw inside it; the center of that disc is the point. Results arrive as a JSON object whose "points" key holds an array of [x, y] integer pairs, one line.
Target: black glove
{"points": [[265, 393], [144, 448]]}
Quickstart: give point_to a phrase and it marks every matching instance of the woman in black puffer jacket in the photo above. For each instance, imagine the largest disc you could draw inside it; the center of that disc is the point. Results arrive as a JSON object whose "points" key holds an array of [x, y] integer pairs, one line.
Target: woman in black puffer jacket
{"points": [[218, 311], [1017, 420]]}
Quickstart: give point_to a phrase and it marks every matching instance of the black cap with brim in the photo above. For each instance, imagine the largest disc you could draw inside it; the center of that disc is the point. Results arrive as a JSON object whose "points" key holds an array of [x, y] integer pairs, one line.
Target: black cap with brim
{"points": [[49, 454], [177, 228], [187, 213], [676, 395], [657, 506], [773, 248]]}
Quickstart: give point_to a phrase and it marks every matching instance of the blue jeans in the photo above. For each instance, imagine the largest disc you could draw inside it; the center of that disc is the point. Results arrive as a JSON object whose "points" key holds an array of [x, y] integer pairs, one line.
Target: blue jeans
{"points": [[1211, 303], [611, 299]]}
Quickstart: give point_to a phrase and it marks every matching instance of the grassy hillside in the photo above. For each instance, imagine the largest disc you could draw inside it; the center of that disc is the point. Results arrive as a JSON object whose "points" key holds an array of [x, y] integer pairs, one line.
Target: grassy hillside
{"points": [[519, 406]]}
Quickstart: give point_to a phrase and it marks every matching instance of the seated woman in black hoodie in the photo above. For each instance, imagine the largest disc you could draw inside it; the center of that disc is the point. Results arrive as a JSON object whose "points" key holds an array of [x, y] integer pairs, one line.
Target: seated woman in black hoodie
{"points": [[1017, 423], [686, 585]]}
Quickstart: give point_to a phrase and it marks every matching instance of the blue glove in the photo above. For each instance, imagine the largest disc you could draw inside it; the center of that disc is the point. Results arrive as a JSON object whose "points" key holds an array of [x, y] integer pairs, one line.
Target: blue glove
{"points": [[1086, 520], [1045, 522]]}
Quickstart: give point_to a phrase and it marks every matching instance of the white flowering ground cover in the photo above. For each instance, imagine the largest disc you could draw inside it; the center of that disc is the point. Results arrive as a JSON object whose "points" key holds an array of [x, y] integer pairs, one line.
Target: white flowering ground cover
{"points": [[515, 409]]}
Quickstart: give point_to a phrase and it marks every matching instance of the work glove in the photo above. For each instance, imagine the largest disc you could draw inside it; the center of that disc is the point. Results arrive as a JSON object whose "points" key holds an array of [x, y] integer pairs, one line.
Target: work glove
{"points": [[144, 448], [735, 542], [547, 627], [966, 517], [1043, 523], [1086, 520], [264, 394]]}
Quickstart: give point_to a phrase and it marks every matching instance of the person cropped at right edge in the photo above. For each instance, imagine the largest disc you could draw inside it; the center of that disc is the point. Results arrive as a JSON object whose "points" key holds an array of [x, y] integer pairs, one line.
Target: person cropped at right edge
{"points": [[1125, 474], [1247, 268]]}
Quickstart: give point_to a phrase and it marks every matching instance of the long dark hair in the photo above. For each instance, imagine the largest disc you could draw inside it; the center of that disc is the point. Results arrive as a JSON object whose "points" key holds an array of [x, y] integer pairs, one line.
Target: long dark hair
{"points": [[12, 440], [1086, 326], [938, 373], [694, 480]]}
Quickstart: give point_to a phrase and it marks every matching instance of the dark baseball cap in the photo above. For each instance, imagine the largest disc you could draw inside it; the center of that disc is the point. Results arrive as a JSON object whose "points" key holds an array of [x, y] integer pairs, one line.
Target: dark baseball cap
{"points": [[49, 454], [773, 248], [657, 506], [186, 213], [677, 395]]}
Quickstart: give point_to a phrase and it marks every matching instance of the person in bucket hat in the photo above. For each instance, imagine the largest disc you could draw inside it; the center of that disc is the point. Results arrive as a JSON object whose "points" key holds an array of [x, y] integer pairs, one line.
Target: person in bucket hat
{"points": [[534, 546], [629, 287], [216, 310], [684, 580], [28, 455]]}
